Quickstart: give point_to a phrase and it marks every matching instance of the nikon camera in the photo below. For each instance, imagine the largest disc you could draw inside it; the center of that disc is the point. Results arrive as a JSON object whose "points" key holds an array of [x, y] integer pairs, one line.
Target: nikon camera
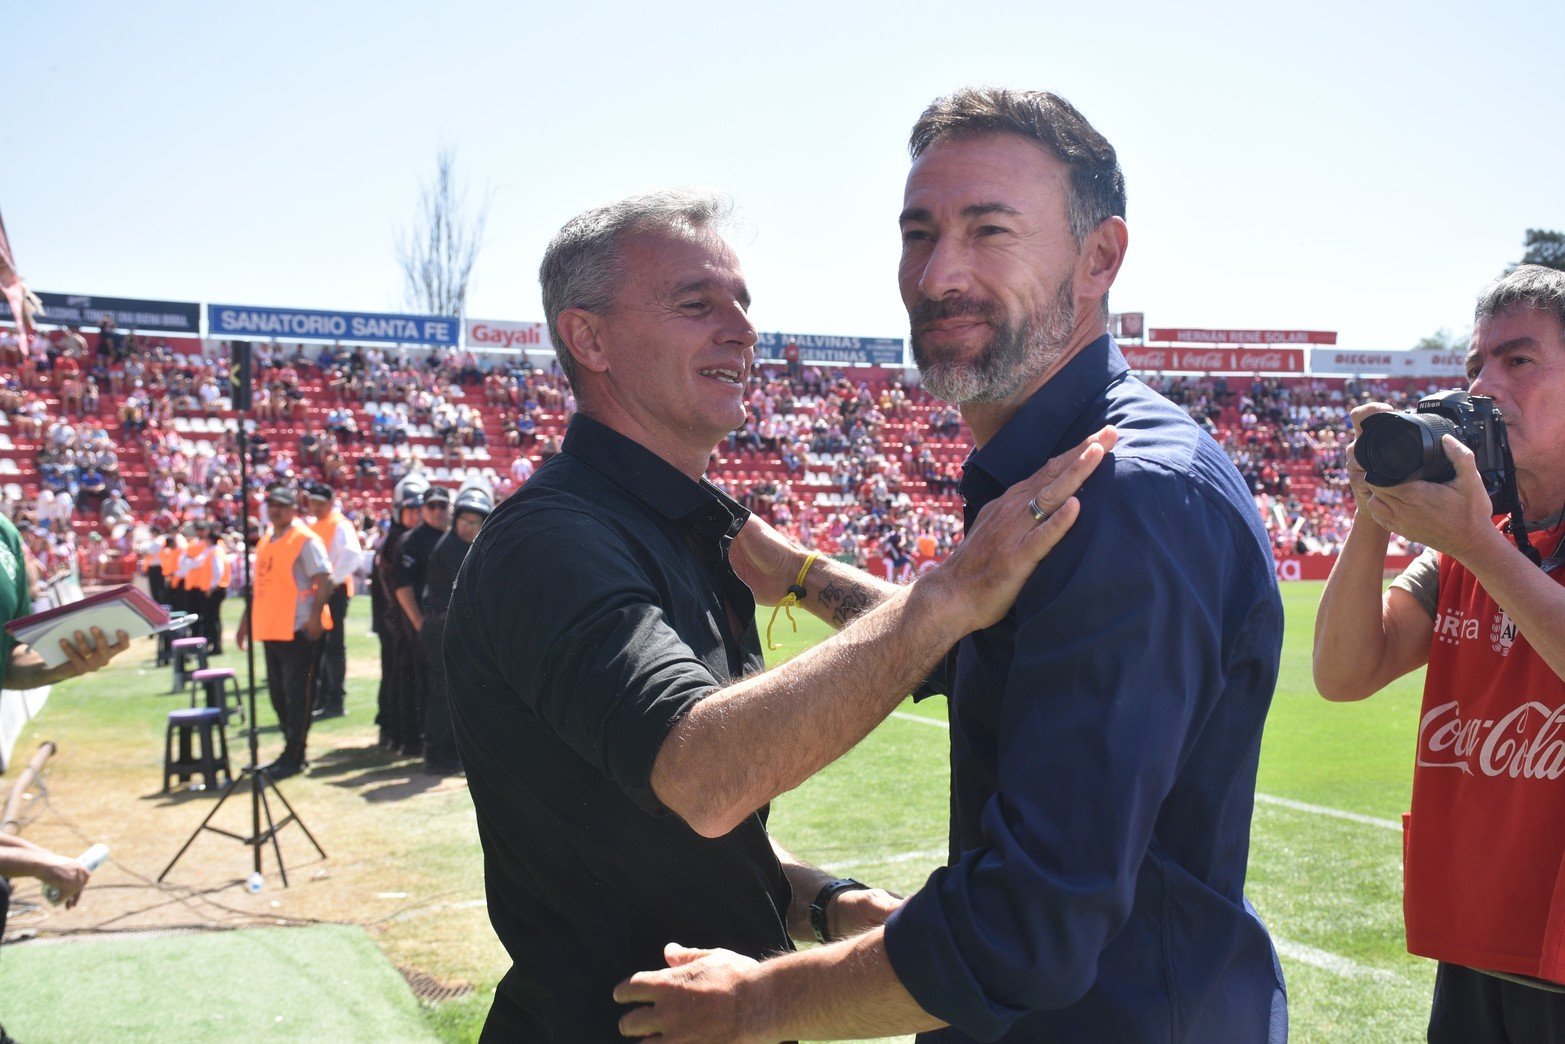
{"points": [[1400, 447]]}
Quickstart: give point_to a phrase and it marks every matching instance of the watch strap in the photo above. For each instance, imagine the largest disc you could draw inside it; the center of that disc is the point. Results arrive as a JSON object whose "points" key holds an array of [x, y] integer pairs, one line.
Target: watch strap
{"points": [[823, 899]]}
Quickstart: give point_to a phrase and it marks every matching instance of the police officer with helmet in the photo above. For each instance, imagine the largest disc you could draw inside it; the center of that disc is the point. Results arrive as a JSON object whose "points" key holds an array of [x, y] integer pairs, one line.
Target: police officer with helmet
{"points": [[472, 505], [398, 696]]}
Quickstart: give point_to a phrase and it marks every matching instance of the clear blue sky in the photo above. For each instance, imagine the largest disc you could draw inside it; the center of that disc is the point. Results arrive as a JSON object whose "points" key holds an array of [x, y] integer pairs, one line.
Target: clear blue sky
{"points": [[1357, 167]]}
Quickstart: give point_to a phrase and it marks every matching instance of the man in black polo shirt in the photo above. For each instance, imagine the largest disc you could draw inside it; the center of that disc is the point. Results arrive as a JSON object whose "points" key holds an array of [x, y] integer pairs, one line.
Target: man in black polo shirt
{"points": [[605, 671]]}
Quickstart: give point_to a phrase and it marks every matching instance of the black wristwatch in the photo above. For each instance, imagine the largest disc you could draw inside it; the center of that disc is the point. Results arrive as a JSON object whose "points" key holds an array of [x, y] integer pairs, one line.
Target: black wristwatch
{"points": [[823, 899]]}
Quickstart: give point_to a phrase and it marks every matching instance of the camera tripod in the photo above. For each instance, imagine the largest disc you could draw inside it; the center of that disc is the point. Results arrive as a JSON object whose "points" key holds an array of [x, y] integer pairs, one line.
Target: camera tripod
{"points": [[258, 778]]}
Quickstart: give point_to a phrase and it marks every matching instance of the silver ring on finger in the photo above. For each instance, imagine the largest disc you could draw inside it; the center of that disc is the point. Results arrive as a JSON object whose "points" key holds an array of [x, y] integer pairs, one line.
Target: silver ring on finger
{"points": [[1039, 515]]}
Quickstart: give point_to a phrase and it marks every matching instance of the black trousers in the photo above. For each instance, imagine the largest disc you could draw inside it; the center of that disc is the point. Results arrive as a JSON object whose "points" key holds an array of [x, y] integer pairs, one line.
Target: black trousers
{"points": [[212, 618], [290, 678], [439, 733], [332, 671], [401, 725], [1473, 1008]]}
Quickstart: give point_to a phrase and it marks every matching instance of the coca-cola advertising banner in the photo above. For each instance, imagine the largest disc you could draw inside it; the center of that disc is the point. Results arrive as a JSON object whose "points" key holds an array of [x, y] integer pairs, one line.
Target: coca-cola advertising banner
{"points": [[1183, 335], [1215, 360], [505, 335], [1318, 567], [1419, 362]]}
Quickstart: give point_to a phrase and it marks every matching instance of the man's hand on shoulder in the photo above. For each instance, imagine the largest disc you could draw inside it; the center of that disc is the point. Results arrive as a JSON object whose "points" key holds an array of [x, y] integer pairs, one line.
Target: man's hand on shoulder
{"points": [[984, 575]]}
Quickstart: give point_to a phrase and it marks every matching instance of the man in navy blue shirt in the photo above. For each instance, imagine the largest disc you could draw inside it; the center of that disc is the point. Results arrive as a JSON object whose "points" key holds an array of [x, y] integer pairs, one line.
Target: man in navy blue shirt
{"points": [[1105, 733]]}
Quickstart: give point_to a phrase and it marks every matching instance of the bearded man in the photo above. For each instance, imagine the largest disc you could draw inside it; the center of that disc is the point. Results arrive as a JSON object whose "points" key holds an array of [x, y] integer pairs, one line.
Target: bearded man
{"points": [[1105, 732]]}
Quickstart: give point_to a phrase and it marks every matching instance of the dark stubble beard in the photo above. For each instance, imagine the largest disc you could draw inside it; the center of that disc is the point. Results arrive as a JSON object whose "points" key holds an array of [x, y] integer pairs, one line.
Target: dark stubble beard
{"points": [[1017, 354]]}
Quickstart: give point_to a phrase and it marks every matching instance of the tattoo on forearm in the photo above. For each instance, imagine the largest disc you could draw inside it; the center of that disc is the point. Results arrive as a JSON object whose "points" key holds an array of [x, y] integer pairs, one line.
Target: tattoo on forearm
{"points": [[845, 600]]}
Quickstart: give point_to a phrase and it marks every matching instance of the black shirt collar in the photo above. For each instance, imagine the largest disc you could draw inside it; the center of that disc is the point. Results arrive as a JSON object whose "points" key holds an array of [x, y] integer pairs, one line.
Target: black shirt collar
{"points": [[650, 479]]}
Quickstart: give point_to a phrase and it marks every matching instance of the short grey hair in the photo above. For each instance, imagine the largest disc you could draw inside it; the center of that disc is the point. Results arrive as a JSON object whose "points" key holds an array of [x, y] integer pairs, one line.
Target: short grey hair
{"points": [[582, 267], [1525, 286]]}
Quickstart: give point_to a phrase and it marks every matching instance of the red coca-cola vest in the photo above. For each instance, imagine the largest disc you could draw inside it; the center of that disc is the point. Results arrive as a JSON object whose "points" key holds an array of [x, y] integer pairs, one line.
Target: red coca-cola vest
{"points": [[1484, 844]]}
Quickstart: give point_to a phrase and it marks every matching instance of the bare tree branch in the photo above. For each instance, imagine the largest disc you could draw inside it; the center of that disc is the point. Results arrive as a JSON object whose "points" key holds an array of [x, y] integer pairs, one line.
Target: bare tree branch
{"points": [[437, 254]]}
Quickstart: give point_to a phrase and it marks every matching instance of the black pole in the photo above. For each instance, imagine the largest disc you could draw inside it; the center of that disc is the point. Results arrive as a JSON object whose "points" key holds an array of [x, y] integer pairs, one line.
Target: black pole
{"points": [[241, 375], [247, 542]]}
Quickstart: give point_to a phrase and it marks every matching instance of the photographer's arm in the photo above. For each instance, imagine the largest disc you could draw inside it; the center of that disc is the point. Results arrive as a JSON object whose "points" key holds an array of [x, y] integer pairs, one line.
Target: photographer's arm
{"points": [[1454, 518], [1365, 640]]}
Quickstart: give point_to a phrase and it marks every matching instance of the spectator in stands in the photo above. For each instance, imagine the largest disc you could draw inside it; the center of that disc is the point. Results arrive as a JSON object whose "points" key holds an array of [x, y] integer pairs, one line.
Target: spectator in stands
{"points": [[521, 470], [115, 510], [1484, 844]]}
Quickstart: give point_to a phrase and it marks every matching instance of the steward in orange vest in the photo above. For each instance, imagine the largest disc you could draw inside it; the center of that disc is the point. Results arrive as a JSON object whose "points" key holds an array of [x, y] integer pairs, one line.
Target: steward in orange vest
{"points": [[292, 583], [206, 585], [343, 552]]}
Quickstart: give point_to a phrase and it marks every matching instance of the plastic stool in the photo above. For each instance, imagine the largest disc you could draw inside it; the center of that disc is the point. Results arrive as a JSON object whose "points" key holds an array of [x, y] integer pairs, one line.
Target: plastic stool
{"points": [[165, 641], [184, 649], [208, 722], [221, 688]]}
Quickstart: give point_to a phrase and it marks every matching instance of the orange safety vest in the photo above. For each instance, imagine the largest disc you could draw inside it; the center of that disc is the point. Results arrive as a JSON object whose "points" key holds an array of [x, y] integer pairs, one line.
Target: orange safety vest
{"points": [[276, 595], [325, 527], [197, 565], [168, 561], [224, 566]]}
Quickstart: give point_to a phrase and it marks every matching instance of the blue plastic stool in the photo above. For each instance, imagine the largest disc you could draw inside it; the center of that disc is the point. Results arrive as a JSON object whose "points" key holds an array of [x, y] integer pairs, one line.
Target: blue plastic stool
{"points": [[186, 649], [207, 723], [220, 686]]}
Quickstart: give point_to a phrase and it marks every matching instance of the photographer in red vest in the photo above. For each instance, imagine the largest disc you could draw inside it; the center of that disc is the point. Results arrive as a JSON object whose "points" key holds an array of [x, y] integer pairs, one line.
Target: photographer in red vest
{"points": [[1484, 844]]}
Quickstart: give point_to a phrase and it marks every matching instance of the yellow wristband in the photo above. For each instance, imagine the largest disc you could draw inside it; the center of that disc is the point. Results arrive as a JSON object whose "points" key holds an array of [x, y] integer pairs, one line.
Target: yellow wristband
{"points": [[794, 596]]}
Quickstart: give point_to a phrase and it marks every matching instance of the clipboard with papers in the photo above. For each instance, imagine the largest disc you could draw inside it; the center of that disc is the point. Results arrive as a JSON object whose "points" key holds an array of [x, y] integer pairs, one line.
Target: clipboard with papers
{"points": [[122, 608]]}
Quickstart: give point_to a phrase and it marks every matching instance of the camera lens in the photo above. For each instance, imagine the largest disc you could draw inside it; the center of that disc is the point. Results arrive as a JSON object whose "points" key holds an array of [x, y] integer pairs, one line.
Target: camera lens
{"points": [[1400, 447]]}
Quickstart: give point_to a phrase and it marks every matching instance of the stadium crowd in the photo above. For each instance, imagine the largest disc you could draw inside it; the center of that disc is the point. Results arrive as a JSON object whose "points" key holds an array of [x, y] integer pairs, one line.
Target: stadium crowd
{"points": [[862, 467]]}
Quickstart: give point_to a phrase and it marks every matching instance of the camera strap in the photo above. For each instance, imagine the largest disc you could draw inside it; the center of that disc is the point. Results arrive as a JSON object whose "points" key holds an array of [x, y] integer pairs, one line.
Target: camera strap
{"points": [[1511, 502]]}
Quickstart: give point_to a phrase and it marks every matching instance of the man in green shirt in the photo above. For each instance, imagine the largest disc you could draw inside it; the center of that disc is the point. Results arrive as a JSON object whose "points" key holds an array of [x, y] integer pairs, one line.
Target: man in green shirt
{"points": [[22, 668]]}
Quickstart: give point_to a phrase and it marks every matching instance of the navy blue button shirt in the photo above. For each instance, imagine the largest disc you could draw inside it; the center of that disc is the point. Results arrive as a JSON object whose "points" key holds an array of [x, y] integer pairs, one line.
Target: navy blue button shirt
{"points": [[1104, 742]]}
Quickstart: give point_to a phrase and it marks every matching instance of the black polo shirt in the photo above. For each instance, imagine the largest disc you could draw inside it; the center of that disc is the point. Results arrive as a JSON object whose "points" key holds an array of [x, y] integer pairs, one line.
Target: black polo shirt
{"points": [[594, 609], [440, 572], [412, 560]]}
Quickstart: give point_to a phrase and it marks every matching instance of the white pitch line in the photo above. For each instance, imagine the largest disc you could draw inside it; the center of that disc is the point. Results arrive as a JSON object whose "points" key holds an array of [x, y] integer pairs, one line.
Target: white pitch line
{"points": [[921, 719], [1269, 799], [1336, 813], [933, 856], [1325, 960], [1331, 962]]}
